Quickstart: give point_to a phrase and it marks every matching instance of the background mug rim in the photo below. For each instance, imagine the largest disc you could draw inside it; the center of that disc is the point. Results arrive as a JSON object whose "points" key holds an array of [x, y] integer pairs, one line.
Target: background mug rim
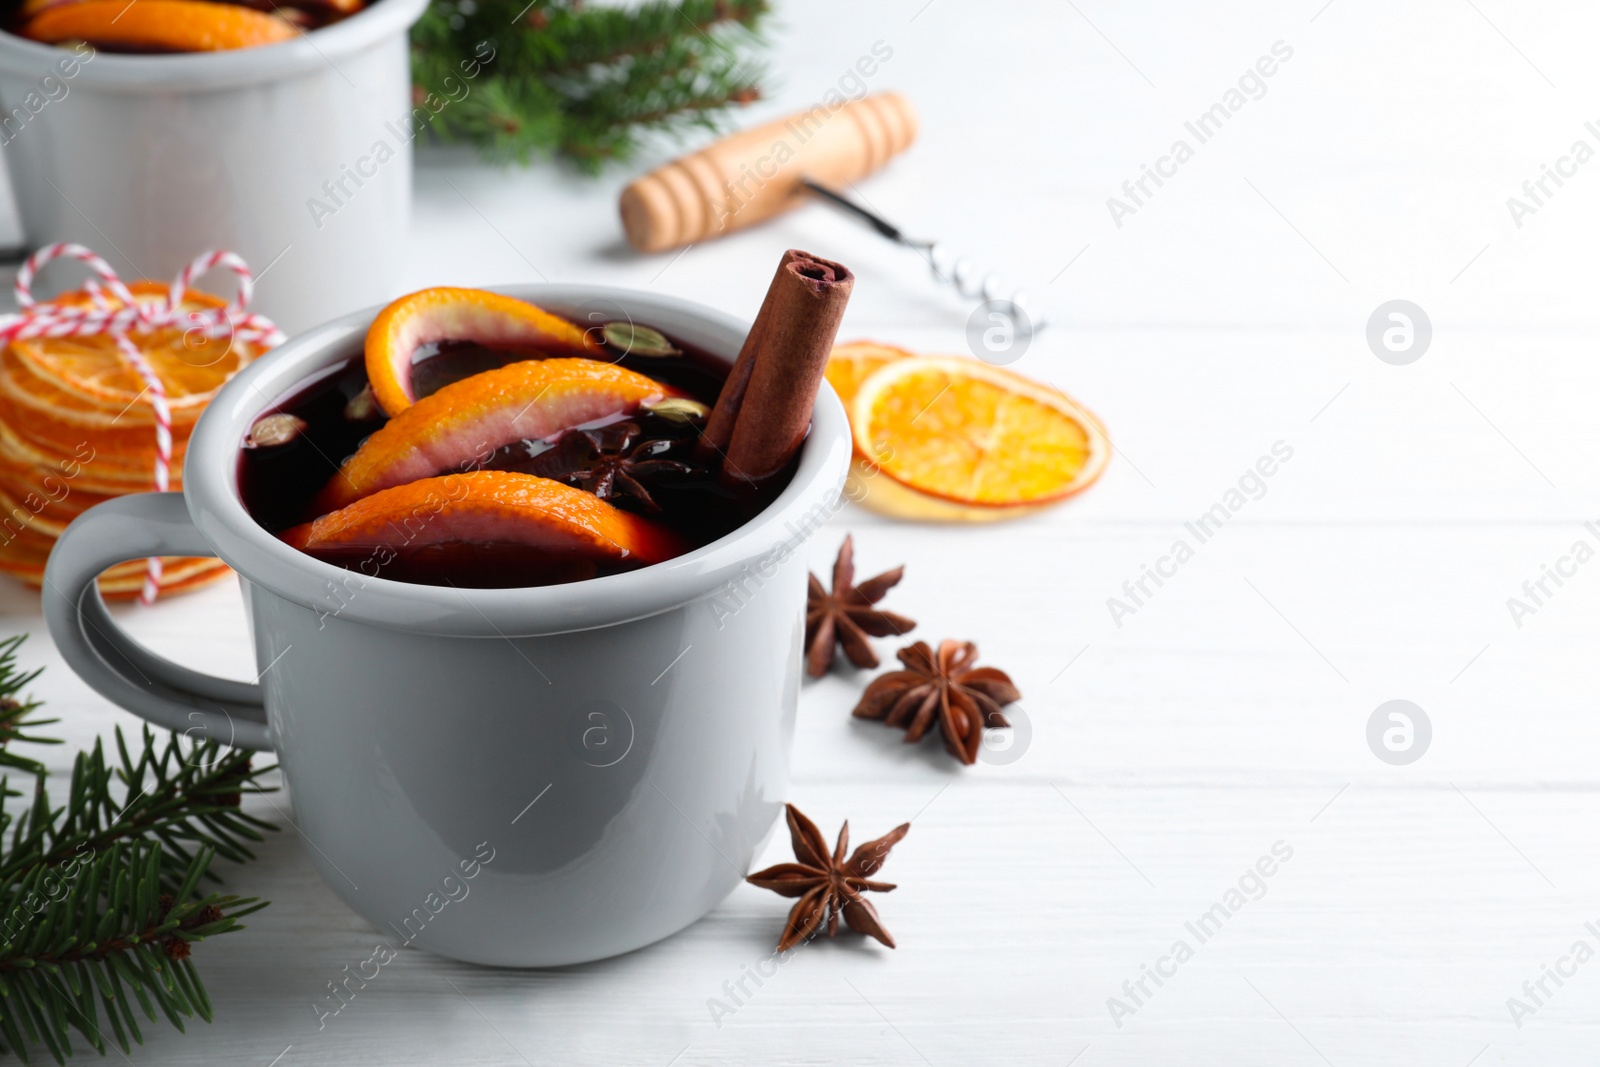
{"points": [[198, 71]]}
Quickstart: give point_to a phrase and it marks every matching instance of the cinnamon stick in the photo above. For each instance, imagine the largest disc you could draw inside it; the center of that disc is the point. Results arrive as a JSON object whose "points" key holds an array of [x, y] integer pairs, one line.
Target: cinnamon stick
{"points": [[768, 404], [713, 444]]}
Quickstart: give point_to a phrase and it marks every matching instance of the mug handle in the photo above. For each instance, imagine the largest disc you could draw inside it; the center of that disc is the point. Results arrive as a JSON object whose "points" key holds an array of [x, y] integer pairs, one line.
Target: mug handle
{"points": [[116, 666]]}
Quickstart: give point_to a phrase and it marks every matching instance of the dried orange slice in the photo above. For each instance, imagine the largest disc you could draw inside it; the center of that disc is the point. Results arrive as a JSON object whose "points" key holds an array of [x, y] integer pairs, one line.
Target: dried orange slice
{"points": [[16, 516], [26, 561], [86, 469], [489, 508], [179, 574], [77, 428], [59, 435], [851, 364], [969, 441], [447, 314], [158, 25], [53, 500], [192, 367], [45, 401], [458, 427]]}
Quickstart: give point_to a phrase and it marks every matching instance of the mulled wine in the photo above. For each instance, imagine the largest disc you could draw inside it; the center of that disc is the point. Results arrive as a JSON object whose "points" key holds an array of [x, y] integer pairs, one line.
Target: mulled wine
{"points": [[482, 441], [644, 460]]}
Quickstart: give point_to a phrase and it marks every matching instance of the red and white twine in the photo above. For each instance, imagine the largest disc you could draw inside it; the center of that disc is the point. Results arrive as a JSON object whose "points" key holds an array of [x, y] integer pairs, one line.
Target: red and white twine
{"points": [[121, 315]]}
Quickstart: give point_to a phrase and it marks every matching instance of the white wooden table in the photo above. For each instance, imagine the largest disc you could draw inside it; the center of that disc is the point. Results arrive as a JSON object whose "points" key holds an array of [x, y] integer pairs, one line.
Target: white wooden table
{"points": [[1229, 712]]}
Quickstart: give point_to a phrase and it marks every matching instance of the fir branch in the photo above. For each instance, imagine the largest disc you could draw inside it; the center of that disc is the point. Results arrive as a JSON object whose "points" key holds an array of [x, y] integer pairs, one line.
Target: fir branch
{"points": [[587, 83], [105, 930], [16, 716], [607, 35], [668, 90], [180, 794], [99, 898]]}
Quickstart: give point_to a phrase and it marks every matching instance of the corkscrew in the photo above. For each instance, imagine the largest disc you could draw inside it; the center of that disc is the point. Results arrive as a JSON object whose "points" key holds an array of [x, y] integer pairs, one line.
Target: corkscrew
{"points": [[750, 176], [961, 272]]}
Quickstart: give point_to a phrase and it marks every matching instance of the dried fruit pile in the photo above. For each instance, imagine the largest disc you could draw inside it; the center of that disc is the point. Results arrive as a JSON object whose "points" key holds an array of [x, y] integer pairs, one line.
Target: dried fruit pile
{"points": [[951, 439], [77, 427]]}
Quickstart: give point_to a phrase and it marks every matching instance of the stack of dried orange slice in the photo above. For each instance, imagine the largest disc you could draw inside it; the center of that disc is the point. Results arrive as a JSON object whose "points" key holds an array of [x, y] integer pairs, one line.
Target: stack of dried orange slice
{"points": [[953, 439], [77, 428]]}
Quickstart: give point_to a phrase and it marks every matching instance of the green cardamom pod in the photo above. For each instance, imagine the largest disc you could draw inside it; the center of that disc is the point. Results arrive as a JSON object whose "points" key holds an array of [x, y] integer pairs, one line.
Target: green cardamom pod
{"points": [[636, 340]]}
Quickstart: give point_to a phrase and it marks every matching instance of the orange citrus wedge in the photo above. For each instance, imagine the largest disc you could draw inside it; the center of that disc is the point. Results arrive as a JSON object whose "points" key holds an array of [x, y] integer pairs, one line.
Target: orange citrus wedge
{"points": [[158, 25], [458, 427], [956, 439], [29, 8], [851, 364], [446, 314], [489, 508]]}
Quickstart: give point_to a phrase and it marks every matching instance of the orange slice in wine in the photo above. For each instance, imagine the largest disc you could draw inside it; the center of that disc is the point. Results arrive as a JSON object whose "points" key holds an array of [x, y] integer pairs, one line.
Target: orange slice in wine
{"points": [[946, 438], [445, 314], [458, 427], [489, 508], [158, 25]]}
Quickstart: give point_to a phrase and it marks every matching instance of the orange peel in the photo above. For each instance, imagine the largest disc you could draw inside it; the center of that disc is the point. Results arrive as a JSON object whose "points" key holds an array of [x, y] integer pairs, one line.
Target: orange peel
{"points": [[159, 25], [442, 314], [455, 428], [488, 508]]}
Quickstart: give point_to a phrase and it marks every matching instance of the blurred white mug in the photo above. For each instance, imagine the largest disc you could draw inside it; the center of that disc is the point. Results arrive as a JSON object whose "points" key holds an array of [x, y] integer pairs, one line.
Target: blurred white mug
{"points": [[297, 156]]}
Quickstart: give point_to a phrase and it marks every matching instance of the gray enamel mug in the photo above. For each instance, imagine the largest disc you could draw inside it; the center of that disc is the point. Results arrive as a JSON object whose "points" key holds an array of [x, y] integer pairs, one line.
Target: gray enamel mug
{"points": [[295, 155], [521, 777]]}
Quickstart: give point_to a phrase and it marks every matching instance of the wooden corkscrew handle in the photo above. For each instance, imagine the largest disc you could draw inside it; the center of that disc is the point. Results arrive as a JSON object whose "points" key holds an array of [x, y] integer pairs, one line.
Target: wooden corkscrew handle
{"points": [[755, 174]]}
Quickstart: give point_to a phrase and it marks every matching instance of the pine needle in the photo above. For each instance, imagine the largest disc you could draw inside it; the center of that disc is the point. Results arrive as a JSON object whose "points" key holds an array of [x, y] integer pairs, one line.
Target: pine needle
{"points": [[587, 83], [102, 894]]}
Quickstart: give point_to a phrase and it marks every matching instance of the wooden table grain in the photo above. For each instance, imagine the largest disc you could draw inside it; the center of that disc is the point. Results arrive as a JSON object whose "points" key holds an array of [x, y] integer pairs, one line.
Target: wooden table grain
{"points": [[1196, 770]]}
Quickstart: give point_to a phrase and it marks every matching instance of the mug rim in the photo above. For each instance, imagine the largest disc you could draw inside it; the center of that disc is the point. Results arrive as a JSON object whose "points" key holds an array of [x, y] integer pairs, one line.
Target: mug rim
{"points": [[211, 493], [217, 70]]}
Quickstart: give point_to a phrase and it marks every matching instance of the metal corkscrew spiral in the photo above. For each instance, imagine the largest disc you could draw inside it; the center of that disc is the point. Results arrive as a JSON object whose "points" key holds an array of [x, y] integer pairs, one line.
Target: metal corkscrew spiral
{"points": [[959, 271]]}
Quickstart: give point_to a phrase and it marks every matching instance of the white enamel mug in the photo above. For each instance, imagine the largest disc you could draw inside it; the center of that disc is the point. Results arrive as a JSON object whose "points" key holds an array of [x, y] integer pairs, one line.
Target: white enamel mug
{"points": [[617, 748], [151, 160]]}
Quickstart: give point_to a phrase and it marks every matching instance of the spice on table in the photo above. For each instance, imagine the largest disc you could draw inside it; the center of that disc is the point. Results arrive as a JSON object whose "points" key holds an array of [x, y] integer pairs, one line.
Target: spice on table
{"points": [[827, 884], [846, 615], [945, 687]]}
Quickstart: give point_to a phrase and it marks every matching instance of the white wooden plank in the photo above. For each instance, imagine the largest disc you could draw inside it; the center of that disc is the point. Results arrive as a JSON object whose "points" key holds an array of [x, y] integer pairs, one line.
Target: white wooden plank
{"points": [[1228, 712]]}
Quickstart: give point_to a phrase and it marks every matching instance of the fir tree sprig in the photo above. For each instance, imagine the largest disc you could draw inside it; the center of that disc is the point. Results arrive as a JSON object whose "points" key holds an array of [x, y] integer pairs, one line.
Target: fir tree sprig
{"points": [[180, 794], [587, 83], [105, 933], [99, 898], [16, 715]]}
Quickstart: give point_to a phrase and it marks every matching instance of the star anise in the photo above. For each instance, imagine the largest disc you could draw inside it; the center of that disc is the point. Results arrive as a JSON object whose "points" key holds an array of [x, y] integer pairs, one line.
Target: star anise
{"points": [[846, 615], [827, 884], [945, 688], [611, 462]]}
